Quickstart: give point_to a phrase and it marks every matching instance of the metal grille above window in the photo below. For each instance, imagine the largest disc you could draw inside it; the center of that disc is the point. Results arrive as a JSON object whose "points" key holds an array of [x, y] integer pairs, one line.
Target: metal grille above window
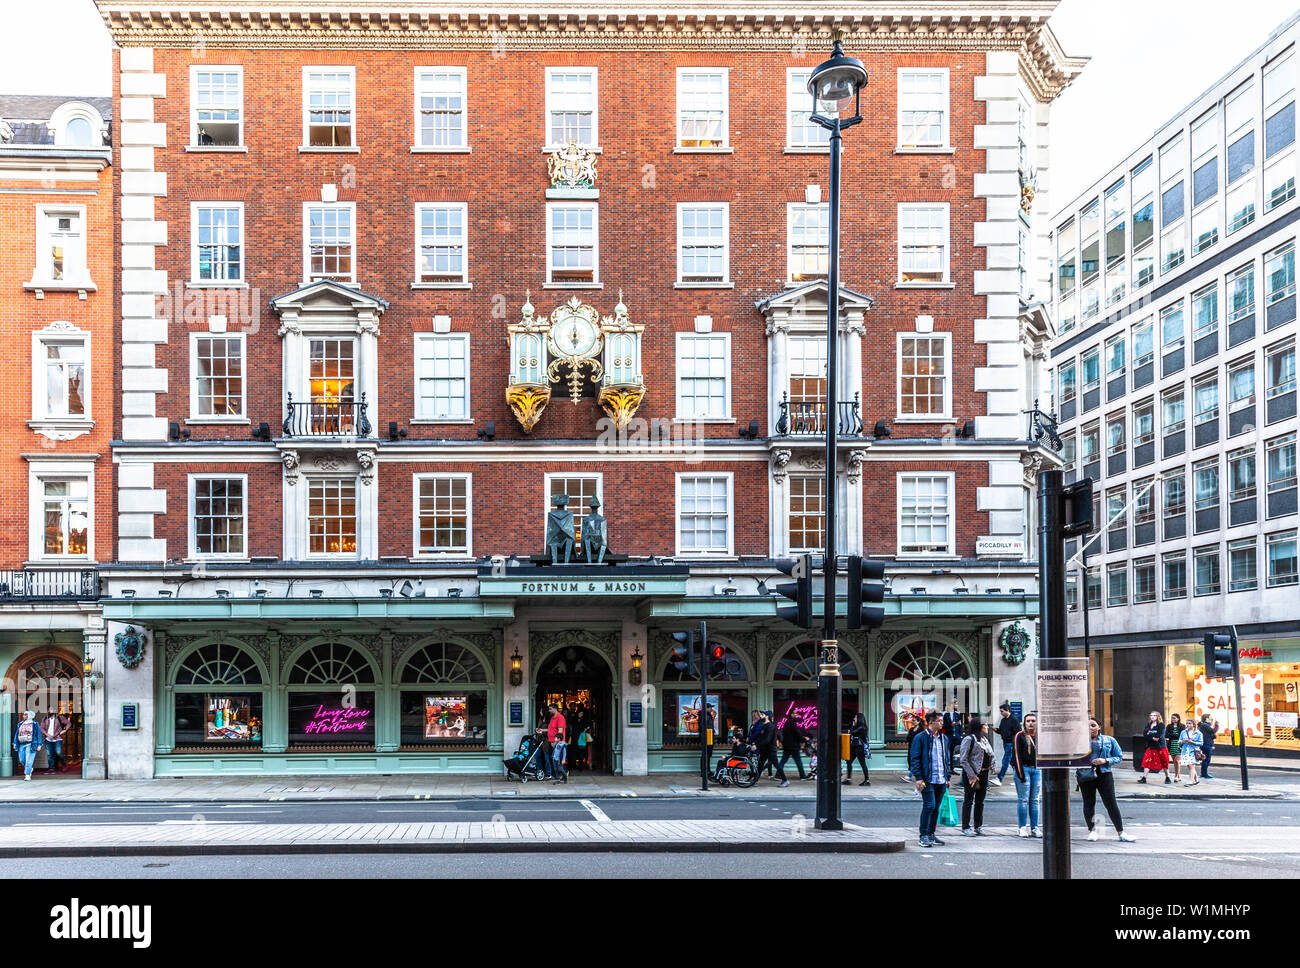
{"points": [[218, 664]]}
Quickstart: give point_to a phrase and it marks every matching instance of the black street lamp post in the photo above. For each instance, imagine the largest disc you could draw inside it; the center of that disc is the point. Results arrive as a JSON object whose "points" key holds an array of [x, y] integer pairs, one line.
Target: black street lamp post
{"points": [[833, 85]]}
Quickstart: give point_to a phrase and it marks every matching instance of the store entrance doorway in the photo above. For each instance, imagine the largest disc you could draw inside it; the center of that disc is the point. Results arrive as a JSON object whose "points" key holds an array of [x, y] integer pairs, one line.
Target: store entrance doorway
{"points": [[578, 681], [48, 682]]}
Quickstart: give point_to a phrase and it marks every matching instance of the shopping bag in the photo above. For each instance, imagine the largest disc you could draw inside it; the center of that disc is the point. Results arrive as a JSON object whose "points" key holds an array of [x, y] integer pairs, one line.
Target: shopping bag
{"points": [[948, 814]]}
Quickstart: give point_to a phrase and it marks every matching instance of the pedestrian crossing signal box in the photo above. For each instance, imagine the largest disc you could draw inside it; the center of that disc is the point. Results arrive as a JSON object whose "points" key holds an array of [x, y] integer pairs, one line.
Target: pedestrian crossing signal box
{"points": [[1076, 509]]}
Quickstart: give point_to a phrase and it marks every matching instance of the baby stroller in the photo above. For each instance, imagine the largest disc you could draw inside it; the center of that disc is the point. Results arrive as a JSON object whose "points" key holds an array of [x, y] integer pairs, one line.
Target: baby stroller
{"points": [[527, 763]]}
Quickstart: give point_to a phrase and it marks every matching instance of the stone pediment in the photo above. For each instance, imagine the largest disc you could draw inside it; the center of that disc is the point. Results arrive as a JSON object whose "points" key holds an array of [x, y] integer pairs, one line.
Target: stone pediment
{"points": [[327, 296], [811, 297]]}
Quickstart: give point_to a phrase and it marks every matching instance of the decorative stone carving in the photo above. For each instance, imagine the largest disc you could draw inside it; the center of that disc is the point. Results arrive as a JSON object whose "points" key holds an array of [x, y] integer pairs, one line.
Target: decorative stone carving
{"points": [[1032, 464], [572, 166], [856, 457], [367, 461], [288, 324], [814, 462], [775, 326], [290, 460], [780, 458], [541, 643], [328, 462]]}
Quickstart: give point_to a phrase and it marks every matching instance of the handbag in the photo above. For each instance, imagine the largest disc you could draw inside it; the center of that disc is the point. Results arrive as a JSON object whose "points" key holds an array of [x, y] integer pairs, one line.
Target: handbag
{"points": [[1200, 756]]}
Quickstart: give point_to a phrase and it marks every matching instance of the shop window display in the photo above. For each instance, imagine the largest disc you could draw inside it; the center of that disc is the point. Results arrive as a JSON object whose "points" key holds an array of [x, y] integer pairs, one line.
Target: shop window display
{"points": [[218, 719], [681, 715], [444, 718], [1270, 674], [917, 677], [335, 717]]}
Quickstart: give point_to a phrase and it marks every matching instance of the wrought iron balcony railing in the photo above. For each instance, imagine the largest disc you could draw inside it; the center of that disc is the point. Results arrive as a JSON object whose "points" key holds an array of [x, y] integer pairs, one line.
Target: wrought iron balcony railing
{"points": [[807, 418], [1044, 426], [326, 418], [49, 585]]}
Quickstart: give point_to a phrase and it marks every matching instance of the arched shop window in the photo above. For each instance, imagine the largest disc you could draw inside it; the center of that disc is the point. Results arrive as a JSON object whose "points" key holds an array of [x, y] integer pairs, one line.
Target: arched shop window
{"points": [[914, 678], [218, 697], [794, 691], [728, 698], [326, 705], [444, 698]]}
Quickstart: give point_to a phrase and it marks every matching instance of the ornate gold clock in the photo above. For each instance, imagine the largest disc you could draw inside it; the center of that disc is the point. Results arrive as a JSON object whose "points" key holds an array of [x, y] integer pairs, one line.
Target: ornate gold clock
{"points": [[575, 342]]}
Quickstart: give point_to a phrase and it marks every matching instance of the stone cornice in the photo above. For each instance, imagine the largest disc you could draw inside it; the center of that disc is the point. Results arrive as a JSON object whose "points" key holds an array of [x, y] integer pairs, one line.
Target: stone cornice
{"points": [[922, 25]]}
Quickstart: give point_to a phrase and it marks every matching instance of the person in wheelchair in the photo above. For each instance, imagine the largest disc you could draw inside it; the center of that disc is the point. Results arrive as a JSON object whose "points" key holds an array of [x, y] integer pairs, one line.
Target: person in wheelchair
{"points": [[739, 751]]}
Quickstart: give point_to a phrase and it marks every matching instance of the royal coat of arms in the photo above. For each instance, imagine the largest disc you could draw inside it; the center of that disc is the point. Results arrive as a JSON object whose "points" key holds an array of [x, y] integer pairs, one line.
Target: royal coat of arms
{"points": [[130, 647], [1015, 643], [572, 166]]}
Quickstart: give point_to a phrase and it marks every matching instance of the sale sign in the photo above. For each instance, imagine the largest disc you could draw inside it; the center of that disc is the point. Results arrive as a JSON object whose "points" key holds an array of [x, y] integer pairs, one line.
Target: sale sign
{"points": [[1218, 697]]}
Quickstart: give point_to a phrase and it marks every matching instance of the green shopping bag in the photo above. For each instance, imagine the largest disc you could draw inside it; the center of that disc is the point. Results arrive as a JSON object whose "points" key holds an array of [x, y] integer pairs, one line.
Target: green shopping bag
{"points": [[948, 813]]}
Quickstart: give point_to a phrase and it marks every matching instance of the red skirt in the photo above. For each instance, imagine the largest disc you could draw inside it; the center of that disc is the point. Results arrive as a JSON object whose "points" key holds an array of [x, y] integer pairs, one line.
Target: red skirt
{"points": [[1156, 760]]}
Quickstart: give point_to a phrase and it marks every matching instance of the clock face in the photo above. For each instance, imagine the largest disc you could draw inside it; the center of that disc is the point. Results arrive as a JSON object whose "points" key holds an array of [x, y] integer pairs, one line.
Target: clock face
{"points": [[574, 336]]}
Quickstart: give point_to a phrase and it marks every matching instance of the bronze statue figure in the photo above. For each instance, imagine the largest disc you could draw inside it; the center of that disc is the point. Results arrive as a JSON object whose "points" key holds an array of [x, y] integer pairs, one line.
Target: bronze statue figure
{"points": [[559, 529], [595, 534]]}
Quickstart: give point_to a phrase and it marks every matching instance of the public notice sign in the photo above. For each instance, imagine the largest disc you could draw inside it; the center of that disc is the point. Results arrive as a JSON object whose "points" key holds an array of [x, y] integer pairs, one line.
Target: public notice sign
{"points": [[1063, 740]]}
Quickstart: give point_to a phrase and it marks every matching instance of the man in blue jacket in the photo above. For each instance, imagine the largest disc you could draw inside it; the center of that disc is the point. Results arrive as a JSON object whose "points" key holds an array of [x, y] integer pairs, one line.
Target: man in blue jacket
{"points": [[930, 759], [27, 742]]}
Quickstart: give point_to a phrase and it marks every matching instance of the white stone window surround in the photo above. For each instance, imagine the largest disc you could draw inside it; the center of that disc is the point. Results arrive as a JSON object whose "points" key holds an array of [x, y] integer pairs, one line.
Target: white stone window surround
{"points": [[424, 343], [555, 103], [950, 501], [944, 144], [594, 281], [815, 240], [941, 213], [462, 240], [422, 86], [797, 100], [331, 464], [76, 268], [240, 282], [464, 554], [197, 418], [320, 69], [704, 280], [946, 414], [307, 207], [62, 119], [60, 426], [685, 340], [684, 104], [57, 467], [729, 478], [192, 520], [195, 71]]}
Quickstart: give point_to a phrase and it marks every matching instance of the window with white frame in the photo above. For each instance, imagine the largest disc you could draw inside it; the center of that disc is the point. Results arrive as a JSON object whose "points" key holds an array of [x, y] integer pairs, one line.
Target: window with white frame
{"points": [[923, 366], [922, 243], [580, 488], [1282, 559], [1279, 369], [703, 376], [218, 516], [440, 243], [1173, 405], [808, 239], [217, 242], [571, 103], [442, 514], [61, 247], [216, 107], [1241, 108], [806, 389], [800, 130], [65, 516], [1205, 311], [1206, 214], [218, 386], [440, 96], [1279, 267], [442, 376], [704, 514], [60, 375], [925, 525], [332, 516], [1241, 384], [1281, 463], [1205, 392], [1173, 204], [572, 243], [703, 240], [1068, 382], [1172, 327], [328, 94], [923, 107], [329, 235], [1242, 565], [806, 517], [702, 98], [1206, 566], [1279, 131]]}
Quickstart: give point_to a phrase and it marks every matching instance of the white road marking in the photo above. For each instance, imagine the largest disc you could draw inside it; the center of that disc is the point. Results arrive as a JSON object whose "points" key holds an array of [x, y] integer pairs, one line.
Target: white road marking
{"points": [[595, 811]]}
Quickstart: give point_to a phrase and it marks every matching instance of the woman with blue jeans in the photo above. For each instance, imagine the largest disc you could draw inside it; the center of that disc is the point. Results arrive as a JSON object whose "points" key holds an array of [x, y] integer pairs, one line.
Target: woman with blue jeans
{"points": [[27, 742], [1028, 777]]}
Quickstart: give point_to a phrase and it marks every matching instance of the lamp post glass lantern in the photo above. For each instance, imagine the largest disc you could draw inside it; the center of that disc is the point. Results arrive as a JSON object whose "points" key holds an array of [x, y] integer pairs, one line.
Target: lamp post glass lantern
{"points": [[836, 89]]}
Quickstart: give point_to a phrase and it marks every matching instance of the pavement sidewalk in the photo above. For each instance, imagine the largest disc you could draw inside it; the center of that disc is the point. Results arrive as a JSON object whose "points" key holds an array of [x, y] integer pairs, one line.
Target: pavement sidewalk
{"points": [[884, 786]]}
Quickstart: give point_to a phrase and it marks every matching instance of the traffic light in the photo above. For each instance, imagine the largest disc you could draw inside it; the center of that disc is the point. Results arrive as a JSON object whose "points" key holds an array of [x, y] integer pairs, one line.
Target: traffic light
{"points": [[1219, 656], [1076, 509], [682, 656], [717, 662], [798, 591], [866, 593]]}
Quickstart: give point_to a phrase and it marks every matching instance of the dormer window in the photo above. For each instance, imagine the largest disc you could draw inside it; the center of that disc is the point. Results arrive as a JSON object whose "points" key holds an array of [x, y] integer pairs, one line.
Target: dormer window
{"points": [[75, 124]]}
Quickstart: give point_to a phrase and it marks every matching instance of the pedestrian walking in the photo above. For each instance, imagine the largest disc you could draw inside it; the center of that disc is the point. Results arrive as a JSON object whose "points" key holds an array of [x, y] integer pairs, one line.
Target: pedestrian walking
{"points": [[913, 731], [1209, 729], [556, 736], [1156, 758], [1029, 778], [859, 749], [1189, 753], [1008, 726], [930, 759], [792, 739], [1098, 778], [976, 758], [27, 742], [55, 728], [1172, 733], [767, 746], [756, 733]]}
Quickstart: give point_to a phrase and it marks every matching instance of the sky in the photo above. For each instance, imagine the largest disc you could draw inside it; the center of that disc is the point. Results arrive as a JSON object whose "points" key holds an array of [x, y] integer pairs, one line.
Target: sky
{"points": [[1150, 58]]}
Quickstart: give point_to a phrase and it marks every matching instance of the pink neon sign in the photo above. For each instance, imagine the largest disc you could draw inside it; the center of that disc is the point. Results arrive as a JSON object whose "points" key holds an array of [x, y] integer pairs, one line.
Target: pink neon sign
{"points": [[805, 716], [337, 720]]}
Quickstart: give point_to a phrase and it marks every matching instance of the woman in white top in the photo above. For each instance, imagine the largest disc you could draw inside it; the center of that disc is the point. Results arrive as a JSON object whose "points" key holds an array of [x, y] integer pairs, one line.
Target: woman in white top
{"points": [[1189, 744]]}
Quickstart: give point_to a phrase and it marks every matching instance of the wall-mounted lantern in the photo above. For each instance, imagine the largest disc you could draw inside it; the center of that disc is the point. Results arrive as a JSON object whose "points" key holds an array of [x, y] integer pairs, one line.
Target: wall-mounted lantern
{"points": [[516, 673]]}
